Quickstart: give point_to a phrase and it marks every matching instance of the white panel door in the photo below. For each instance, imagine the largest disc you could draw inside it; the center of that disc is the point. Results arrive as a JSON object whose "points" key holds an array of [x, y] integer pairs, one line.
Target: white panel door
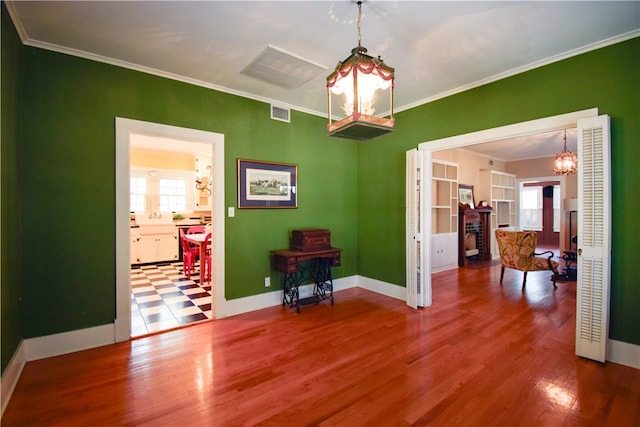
{"points": [[594, 237], [417, 295]]}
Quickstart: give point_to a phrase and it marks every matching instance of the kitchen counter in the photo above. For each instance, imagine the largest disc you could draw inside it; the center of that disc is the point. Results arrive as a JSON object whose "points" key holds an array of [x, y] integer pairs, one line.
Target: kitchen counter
{"points": [[189, 223], [181, 223]]}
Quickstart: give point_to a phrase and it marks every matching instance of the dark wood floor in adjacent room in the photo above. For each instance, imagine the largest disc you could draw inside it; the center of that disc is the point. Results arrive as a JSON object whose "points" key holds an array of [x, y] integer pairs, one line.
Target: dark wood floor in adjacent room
{"points": [[483, 354]]}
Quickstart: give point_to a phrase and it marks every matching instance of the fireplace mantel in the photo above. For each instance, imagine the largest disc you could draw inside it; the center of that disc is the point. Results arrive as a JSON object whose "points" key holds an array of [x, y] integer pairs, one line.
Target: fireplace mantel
{"points": [[474, 221]]}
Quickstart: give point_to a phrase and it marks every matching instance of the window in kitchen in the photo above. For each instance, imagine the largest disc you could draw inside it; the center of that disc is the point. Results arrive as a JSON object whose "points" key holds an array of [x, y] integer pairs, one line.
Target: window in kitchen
{"points": [[138, 186], [173, 195]]}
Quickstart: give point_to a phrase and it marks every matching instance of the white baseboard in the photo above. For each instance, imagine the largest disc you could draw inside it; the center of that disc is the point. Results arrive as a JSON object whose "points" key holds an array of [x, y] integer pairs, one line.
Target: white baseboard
{"points": [[69, 342], [271, 299], [623, 353], [384, 288], [11, 375]]}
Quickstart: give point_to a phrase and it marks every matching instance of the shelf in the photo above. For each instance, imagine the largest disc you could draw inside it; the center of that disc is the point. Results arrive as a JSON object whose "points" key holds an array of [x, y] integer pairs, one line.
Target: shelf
{"points": [[441, 195], [444, 170], [444, 197], [499, 189], [441, 222]]}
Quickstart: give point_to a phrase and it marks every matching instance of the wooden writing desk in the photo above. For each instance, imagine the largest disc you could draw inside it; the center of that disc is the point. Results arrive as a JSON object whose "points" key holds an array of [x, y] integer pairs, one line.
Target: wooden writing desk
{"points": [[299, 267]]}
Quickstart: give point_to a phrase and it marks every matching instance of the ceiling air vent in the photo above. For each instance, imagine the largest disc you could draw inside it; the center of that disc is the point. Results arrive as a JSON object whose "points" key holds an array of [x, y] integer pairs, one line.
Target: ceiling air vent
{"points": [[283, 69], [279, 113]]}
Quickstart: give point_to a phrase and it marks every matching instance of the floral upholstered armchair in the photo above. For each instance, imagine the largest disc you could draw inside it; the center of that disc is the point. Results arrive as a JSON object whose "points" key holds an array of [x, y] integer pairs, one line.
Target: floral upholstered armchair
{"points": [[518, 251]]}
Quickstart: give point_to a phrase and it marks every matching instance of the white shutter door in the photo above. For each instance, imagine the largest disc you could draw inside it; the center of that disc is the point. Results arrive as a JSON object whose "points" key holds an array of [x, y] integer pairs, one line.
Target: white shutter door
{"points": [[594, 238], [414, 280]]}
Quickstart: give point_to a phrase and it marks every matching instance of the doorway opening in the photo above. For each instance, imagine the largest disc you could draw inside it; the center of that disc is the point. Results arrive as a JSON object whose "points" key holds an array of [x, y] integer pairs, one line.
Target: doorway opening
{"points": [[594, 220], [563, 121], [126, 132], [171, 188], [541, 210]]}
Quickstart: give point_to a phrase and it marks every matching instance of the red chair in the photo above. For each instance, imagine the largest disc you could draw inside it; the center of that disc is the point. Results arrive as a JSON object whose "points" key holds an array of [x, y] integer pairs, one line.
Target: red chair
{"points": [[195, 229], [188, 255], [206, 272]]}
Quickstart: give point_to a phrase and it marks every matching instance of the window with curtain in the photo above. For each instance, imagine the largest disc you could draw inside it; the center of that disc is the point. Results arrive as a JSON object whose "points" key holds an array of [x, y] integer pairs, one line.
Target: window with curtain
{"points": [[556, 208], [531, 208]]}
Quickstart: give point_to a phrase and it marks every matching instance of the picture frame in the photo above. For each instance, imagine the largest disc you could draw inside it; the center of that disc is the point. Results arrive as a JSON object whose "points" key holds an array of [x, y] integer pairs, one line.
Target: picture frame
{"points": [[465, 195], [267, 185]]}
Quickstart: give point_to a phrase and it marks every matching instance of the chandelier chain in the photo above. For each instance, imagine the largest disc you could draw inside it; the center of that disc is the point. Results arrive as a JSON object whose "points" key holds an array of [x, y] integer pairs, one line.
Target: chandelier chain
{"points": [[358, 23]]}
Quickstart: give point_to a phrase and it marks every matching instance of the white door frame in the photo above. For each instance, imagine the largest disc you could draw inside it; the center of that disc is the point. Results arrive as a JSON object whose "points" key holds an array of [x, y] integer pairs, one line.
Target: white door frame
{"points": [[124, 128], [532, 127]]}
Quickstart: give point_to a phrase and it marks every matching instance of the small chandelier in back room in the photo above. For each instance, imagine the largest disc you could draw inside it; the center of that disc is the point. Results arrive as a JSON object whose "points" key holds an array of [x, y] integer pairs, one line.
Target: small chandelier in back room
{"points": [[360, 86], [566, 162]]}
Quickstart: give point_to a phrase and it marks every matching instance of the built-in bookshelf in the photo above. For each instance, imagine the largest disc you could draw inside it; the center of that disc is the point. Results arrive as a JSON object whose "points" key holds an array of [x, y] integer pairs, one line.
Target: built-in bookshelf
{"points": [[444, 197], [444, 215], [499, 190]]}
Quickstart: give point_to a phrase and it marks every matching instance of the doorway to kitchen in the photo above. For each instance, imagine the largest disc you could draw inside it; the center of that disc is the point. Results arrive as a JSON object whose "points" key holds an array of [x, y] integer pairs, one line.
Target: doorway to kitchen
{"points": [[126, 133], [171, 189]]}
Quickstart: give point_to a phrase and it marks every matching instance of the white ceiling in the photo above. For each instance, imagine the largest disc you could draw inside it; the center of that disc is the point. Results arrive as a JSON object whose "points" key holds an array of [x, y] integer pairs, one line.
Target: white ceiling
{"points": [[437, 47]]}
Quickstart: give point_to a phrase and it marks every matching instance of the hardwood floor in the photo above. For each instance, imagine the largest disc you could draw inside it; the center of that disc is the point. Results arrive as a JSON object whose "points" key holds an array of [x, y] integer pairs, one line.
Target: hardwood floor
{"points": [[483, 354]]}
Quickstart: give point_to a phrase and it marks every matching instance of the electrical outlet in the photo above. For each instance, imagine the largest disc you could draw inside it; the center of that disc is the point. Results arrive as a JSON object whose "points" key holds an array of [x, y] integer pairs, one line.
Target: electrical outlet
{"points": [[267, 281]]}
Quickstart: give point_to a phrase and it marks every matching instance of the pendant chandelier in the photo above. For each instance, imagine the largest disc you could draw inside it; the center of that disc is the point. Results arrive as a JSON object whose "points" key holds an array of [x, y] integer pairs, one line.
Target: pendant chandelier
{"points": [[566, 162], [360, 86]]}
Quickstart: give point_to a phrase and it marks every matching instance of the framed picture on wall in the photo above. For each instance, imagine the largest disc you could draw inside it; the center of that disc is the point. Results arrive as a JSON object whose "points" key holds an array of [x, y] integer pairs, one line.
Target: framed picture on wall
{"points": [[465, 195], [267, 184]]}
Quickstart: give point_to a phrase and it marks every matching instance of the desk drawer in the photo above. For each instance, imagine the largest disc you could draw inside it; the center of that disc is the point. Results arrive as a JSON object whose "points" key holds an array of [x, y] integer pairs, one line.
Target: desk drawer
{"points": [[284, 264], [286, 261]]}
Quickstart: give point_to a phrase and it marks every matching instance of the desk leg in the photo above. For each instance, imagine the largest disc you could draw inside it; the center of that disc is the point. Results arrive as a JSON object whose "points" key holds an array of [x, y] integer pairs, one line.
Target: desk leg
{"points": [[290, 283], [324, 281], [319, 272]]}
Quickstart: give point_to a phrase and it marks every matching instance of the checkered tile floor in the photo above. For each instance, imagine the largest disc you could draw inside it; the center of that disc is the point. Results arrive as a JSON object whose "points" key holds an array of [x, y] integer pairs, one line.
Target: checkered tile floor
{"points": [[163, 298]]}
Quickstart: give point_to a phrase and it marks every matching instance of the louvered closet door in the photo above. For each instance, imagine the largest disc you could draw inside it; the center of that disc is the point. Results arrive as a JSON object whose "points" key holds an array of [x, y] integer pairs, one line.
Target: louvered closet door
{"points": [[413, 225], [594, 238]]}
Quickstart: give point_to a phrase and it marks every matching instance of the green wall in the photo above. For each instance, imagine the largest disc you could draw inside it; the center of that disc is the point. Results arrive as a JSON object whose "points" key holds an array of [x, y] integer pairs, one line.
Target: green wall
{"points": [[10, 283], [66, 197], [608, 79], [67, 176]]}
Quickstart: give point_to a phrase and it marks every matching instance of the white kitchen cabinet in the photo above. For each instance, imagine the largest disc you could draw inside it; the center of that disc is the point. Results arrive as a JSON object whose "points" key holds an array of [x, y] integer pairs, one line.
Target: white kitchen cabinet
{"points": [[154, 244], [167, 246], [133, 252]]}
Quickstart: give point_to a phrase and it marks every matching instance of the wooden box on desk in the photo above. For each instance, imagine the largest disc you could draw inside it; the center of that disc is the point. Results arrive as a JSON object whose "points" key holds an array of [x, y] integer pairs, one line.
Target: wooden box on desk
{"points": [[311, 239]]}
